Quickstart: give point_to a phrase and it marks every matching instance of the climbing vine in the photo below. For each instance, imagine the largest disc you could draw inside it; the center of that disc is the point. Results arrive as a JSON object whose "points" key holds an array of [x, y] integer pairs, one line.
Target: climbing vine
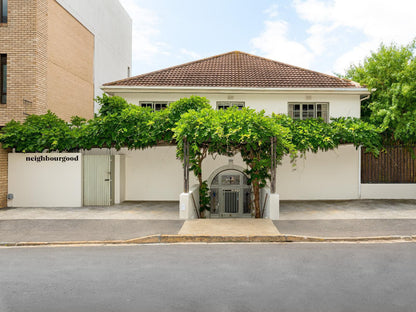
{"points": [[208, 131]]}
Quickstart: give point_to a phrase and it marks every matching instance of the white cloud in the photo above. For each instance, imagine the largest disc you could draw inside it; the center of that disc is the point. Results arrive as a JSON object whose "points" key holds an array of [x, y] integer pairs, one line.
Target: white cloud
{"points": [[378, 20], [193, 55], [272, 11], [274, 43], [145, 32]]}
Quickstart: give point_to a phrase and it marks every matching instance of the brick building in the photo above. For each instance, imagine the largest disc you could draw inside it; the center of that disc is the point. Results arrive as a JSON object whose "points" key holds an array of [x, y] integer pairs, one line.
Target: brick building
{"points": [[52, 55]]}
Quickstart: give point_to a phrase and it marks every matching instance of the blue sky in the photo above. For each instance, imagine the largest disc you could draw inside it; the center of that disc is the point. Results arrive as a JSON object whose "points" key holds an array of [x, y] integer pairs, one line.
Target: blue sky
{"points": [[322, 35]]}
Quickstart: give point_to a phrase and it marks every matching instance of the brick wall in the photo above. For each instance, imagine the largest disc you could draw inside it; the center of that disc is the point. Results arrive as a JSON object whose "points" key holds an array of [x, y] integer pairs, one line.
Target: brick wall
{"points": [[50, 59], [3, 177], [20, 40], [70, 65]]}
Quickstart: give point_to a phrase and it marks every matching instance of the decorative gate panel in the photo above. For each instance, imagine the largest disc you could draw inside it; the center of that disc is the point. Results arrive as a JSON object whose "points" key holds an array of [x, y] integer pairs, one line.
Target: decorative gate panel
{"points": [[231, 202]]}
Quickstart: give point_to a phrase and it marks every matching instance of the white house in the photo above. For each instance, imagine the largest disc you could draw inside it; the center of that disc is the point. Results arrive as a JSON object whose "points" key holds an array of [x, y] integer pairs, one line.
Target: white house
{"points": [[103, 177], [240, 79]]}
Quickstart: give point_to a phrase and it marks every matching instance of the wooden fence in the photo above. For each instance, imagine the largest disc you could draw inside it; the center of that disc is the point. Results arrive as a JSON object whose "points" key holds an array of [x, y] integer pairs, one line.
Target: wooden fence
{"points": [[396, 165]]}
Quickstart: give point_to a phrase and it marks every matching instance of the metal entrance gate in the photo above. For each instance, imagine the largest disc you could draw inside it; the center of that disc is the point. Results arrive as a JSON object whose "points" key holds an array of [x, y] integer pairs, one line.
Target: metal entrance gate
{"points": [[98, 180], [230, 195]]}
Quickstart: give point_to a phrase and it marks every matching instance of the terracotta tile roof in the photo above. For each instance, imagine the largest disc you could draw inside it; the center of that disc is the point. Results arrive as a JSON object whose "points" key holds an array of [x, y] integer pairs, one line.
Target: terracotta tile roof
{"points": [[236, 69]]}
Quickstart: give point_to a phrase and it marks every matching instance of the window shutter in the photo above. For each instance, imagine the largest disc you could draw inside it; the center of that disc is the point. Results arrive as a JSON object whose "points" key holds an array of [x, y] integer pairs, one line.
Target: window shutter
{"points": [[290, 110], [325, 111]]}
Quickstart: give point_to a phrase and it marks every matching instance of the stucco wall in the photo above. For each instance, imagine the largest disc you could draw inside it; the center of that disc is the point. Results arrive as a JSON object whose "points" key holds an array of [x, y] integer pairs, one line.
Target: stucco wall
{"points": [[325, 175], [388, 191], [339, 104], [70, 65], [155, 174], [45, 183]]}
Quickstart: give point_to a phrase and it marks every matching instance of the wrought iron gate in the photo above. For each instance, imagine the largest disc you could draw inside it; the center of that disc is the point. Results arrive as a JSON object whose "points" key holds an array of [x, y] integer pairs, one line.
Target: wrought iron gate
{"points": [[230, 195]]}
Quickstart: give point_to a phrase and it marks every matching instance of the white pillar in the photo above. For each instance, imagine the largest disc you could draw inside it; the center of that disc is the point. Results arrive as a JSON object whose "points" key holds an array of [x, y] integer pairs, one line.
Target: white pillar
{"points": [[274, 207]]}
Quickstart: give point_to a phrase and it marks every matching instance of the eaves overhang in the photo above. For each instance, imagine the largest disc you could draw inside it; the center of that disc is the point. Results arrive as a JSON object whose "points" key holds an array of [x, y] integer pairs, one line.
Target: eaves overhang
{"points": [[111, 90]]}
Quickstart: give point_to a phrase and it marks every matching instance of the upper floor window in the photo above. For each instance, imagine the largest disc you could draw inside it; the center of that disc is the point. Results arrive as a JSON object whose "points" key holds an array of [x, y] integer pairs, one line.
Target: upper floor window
{"points": [[155, 105], [3, 11], [308, 110], [3, 78], [228, 104]]}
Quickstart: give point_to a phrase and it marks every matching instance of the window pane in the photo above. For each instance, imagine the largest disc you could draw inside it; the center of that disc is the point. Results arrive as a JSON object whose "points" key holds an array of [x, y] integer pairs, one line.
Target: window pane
{"points": [[296, 107], [230, 180], [3, 11], [3, 78]]}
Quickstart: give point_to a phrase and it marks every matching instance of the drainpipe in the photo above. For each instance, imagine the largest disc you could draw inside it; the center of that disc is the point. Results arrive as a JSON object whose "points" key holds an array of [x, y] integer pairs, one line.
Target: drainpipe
{"points": [[365, 98]]}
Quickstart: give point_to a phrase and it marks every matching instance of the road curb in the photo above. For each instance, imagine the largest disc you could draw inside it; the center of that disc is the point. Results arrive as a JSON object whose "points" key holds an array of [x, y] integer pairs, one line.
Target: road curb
{"points": [[173, 239]]}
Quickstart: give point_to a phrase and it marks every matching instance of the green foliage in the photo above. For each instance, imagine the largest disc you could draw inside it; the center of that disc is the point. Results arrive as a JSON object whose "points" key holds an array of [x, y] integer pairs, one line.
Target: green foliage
{"points": [[39, 133], [227, 132], [315, 135], [391, 71], [204, 198], [178, 108], [208, 131], [111, 104], [133, 127], [77, 121]]}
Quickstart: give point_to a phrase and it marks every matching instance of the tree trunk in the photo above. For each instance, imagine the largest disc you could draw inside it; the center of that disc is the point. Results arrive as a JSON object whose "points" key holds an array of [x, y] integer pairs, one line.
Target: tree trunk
{"points": [[256, 192]]}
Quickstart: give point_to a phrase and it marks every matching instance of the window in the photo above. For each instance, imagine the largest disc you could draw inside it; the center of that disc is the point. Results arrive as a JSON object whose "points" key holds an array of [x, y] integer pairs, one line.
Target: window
{"points": [[3, 11], [156, 106], [308, 110], [228, 104], [3, 78]]}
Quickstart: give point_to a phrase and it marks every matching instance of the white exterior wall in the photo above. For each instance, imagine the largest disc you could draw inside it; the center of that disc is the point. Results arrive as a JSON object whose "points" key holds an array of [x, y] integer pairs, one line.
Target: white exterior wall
{"points": [[326, 175], [155, 174], [46, 183], [388, 191], [339, 104], [112, 29]]}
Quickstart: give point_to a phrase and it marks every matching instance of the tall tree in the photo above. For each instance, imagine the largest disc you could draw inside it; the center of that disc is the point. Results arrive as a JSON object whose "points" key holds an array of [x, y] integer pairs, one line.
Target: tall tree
{"points": [[391, 71]]}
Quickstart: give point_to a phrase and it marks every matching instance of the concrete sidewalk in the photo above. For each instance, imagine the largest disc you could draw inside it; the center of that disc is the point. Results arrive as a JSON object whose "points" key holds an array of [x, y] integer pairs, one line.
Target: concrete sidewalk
{"points": [[344, 219]]}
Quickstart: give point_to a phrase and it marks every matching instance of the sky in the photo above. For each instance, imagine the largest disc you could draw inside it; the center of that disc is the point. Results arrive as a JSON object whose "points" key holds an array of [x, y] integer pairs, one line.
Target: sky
{"points": [[322, 35]]}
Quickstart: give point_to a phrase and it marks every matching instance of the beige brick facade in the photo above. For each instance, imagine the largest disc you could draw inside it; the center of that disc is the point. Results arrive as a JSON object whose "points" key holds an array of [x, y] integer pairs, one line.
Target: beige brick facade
{"points": [[3, 177], [50, 58], [70, 65]]}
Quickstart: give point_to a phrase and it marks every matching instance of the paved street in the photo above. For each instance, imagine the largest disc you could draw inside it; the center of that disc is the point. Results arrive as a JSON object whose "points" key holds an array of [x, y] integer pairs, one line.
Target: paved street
{"points": [[201, 277]]}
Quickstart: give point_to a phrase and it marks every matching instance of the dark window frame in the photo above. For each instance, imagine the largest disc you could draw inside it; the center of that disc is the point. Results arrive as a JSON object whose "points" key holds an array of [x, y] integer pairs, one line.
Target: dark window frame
{"points": [[227, 104], [3, 78], [3, 12], [155, 105], [306, 110]]}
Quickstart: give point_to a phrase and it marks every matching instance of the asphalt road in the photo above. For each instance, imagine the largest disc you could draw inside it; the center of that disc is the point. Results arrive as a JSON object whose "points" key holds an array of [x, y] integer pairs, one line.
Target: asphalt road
{"points": [[208, 277]]}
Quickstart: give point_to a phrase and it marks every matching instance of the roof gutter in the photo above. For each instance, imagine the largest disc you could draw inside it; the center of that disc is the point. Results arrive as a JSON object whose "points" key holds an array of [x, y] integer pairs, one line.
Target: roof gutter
{"points": [[151, 89]]}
